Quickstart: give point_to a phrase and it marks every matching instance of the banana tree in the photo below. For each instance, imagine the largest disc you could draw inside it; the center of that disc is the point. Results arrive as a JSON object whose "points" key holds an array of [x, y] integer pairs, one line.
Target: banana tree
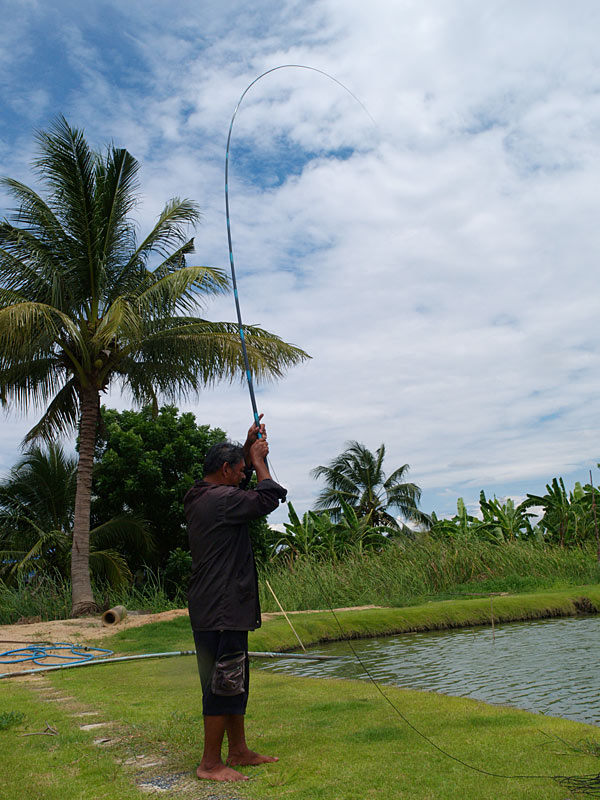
{"points": [[558, 512], [507, 521]]}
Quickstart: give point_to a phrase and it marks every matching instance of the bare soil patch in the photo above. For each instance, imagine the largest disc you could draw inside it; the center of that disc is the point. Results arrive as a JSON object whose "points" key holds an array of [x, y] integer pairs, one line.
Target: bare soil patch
{"points": [[77, 630]]}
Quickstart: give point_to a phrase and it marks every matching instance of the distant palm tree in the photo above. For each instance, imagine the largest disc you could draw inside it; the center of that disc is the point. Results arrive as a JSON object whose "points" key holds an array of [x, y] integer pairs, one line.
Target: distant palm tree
{"points": [[83, 304], [356, 478], [36, 522]]}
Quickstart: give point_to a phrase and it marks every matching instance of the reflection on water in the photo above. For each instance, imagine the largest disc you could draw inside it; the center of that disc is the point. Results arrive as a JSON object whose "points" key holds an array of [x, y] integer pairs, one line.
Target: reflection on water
{"points": [[549, 666]]}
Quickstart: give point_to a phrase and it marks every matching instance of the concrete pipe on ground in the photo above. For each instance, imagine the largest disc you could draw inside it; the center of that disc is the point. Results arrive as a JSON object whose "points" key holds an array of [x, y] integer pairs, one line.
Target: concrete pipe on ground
{"points": [[114, 615]]}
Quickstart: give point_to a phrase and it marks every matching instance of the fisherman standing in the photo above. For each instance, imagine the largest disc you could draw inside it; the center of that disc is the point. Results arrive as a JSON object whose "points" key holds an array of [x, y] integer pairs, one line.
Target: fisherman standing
{"points": [[223, 592]]}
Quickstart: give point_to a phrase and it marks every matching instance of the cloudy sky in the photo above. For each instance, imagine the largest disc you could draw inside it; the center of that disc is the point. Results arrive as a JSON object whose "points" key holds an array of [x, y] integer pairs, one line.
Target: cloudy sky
{"points": [[439, 264]]}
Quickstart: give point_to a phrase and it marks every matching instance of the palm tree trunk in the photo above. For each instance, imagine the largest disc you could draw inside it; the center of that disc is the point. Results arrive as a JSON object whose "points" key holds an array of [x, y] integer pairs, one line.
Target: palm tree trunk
{"points": [[82, 595]]}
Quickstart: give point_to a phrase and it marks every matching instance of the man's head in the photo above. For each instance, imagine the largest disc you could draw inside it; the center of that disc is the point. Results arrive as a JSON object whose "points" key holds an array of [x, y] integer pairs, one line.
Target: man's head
{"points": [[224, 463]]}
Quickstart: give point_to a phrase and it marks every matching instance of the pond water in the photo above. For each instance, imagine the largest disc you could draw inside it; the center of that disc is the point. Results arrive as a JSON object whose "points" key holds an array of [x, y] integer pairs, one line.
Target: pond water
{"points": [[548, 666]]}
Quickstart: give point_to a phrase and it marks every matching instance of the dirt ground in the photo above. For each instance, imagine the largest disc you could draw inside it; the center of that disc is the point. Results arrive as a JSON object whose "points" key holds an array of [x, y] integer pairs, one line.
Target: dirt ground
{"points": [[76, 630], [72, 631], [90, 628]]}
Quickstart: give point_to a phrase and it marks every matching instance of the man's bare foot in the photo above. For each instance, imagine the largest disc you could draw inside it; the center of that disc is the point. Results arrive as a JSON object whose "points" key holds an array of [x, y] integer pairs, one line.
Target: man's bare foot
{"points": [[220, 772], [249, 758]]}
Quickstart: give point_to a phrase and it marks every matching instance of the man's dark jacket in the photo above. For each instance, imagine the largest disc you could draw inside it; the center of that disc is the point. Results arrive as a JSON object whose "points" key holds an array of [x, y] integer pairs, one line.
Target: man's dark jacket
{"points": [[223, 590]]}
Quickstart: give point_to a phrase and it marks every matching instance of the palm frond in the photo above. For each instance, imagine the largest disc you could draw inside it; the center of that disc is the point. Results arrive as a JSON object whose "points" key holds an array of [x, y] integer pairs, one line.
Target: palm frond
{"points": [[32, 268], [169, 232], [174, 261], [22, 322], [126, 530], [32, 330], [41, 485], [9, 297], [201, 353], [120, 321], [29, 383], [182, 290], [397, 476], [46, 542], [115, 186], [35, 216], [61, 416], [67, 165], [110, 566]]}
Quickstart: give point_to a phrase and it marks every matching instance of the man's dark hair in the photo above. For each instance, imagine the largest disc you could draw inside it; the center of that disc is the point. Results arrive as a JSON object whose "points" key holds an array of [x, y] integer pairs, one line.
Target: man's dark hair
{"points": [[221, 453]]}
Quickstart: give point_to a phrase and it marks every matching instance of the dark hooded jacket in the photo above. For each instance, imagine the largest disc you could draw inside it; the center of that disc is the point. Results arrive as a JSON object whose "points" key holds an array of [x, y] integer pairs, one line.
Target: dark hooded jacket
{"points": [[223, 589]]}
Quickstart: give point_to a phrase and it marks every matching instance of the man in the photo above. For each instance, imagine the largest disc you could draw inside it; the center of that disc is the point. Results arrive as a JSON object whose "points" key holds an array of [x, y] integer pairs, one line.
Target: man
{"points": [[223, 592]]}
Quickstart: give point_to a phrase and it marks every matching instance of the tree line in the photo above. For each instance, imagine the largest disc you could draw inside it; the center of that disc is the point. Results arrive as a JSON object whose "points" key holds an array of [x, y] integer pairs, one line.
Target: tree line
{"points": [[145, 461], [558, 516], [359, 499]]}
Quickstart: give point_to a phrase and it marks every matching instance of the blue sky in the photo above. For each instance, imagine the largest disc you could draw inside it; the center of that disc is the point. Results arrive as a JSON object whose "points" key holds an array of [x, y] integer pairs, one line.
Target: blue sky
{"points": [[440, 266]]}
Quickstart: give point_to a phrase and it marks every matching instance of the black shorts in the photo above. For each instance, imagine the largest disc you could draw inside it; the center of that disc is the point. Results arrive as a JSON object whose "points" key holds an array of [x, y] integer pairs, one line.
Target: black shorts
{"points": [[212, 646]]}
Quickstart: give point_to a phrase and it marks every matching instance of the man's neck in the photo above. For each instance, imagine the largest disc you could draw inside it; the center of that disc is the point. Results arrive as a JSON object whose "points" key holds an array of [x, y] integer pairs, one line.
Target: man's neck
{"points": [[213, 479]]}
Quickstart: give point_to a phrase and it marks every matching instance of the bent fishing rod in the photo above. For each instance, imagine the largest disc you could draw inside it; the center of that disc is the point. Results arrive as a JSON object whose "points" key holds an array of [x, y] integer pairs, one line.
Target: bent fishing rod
{"points": [[228, 217], [586, 784]]}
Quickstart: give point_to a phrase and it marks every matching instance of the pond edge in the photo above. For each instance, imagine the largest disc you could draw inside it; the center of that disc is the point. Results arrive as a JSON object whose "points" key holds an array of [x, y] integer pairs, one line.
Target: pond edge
{"points": [[316, 627]]}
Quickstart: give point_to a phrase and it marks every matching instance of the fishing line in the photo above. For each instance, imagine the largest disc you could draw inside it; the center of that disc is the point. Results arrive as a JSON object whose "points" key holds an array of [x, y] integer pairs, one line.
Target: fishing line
{"points": [[588, 784], [228, 216]]}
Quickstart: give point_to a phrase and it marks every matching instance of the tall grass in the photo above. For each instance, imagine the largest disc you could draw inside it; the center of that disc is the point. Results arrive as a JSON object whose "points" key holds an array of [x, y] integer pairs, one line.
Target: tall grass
{"points": [[425, 570], [398, 576], [43, 596], [49, 597]]}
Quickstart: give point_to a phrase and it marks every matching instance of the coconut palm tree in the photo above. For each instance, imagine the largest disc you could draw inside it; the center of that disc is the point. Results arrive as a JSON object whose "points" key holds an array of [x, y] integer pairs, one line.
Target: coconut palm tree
{"points": [[84, 305], [357, 478]]}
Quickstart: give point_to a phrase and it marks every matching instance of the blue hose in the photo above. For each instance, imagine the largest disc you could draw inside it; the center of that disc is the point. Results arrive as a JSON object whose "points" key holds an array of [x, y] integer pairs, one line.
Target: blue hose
{"points": [[36, 653]]}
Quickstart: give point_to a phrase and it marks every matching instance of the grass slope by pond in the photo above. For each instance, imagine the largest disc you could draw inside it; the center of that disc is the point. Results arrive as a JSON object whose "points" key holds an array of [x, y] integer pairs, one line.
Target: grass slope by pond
{"points": [[337, 740]]}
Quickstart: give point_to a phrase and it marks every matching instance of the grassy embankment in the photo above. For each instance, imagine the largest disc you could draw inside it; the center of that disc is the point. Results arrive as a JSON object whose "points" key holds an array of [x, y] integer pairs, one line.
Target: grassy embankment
{"points": [[322, 626], [395, 577], [336, 740]]}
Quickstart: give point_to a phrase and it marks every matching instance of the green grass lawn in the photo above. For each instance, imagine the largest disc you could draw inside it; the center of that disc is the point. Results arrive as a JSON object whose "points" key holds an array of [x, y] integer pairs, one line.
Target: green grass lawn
{"points": [[66, 766], [337, 740]]}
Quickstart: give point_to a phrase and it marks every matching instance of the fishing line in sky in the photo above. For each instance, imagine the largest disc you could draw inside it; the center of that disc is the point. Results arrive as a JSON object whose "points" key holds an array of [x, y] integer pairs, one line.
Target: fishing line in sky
{"points": [[228, 216]]}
